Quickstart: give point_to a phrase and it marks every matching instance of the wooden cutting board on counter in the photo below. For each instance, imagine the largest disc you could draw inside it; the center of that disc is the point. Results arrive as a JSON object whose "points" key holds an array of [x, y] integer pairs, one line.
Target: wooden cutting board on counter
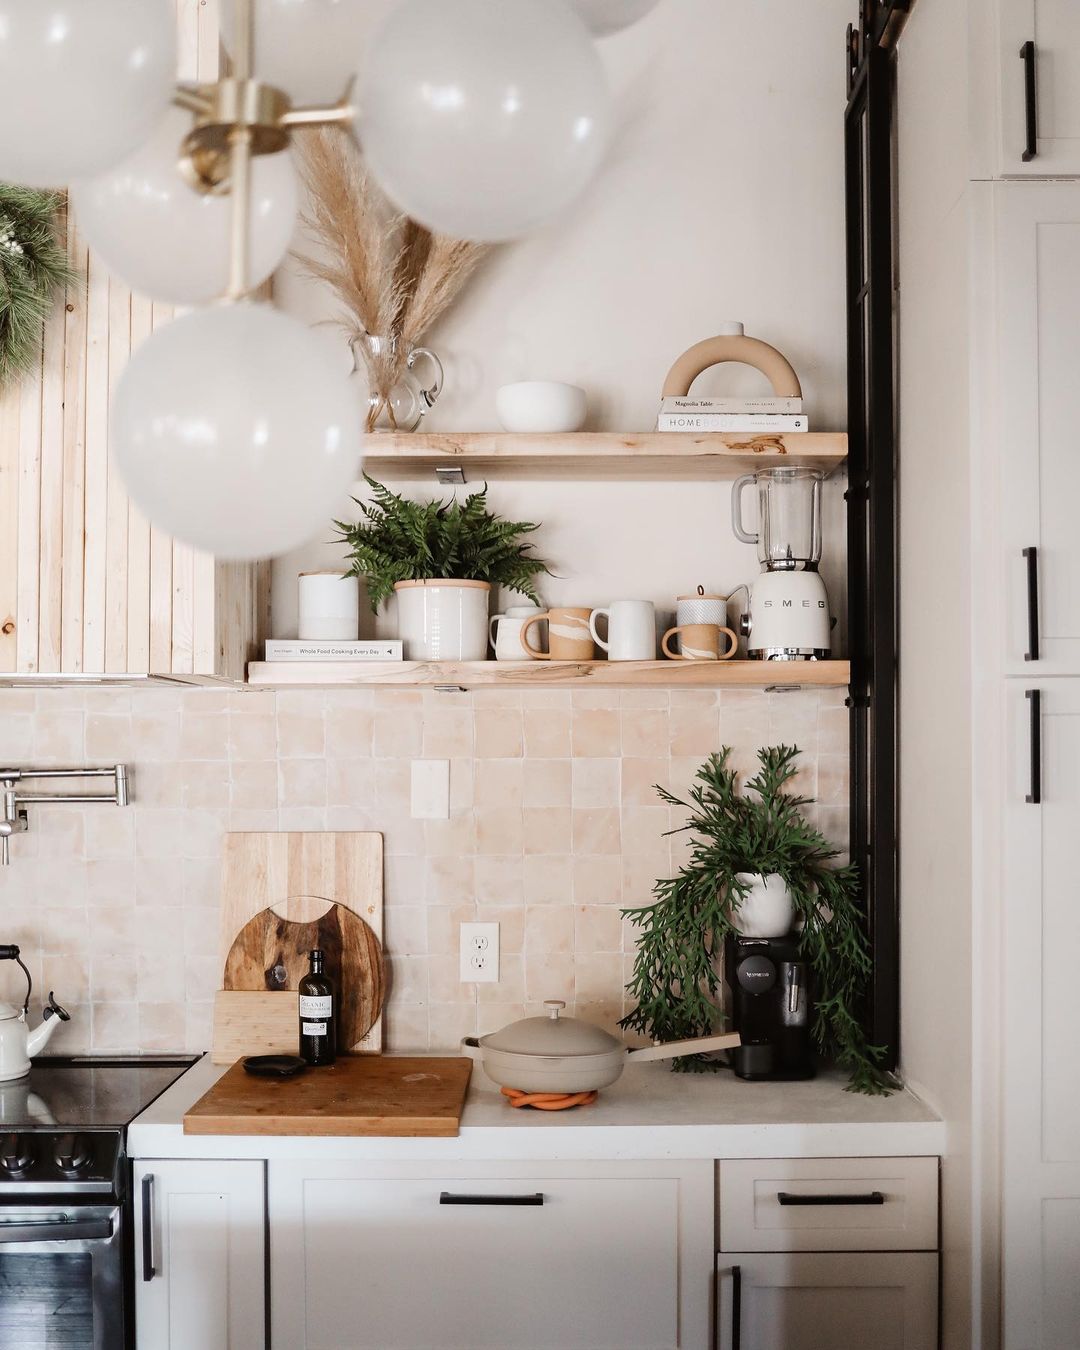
{"points": [[282, 895], [361, 1095]]}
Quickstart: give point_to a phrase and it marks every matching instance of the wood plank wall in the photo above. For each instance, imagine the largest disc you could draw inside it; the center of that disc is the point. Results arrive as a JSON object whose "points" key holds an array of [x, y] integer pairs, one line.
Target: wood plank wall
{"points": [[86, 584]]}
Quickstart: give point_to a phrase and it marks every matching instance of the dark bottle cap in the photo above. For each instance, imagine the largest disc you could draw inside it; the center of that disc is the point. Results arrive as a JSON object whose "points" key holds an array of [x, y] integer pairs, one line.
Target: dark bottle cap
{"points": [[316, 957]]}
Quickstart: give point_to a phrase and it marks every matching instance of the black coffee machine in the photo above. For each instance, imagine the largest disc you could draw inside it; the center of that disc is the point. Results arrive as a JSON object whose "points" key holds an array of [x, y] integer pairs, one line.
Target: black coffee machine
{"points": [[772, 1007]]}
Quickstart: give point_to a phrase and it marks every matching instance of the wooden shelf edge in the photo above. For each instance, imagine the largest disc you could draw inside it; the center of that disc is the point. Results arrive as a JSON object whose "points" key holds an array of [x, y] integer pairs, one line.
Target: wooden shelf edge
{"points": [[549, 674]]}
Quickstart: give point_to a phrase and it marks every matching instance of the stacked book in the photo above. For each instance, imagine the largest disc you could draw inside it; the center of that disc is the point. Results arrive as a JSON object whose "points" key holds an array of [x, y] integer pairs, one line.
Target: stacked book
{"points": [[772, 416], [327, 649]]}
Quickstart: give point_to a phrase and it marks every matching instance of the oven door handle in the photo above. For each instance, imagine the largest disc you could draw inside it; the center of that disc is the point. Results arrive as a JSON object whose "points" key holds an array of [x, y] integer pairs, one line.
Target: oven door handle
{"points": [[56, 1231]]}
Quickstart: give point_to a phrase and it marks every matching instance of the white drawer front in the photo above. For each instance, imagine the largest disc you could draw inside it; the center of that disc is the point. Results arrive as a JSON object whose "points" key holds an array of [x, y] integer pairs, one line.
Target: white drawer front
{"points": [[801, 1205]]}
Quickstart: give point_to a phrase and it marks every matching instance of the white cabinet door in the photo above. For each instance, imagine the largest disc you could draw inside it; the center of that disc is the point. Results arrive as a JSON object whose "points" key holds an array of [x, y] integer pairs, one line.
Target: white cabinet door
{"points": [[200, 1249], [825, 1301], [1038, 367], [1053, 27], [1041, 959], [573, 1256]]}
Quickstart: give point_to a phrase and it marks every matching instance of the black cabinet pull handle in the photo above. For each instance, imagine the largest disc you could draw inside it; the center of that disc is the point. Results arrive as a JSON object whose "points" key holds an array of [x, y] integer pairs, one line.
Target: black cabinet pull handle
{"points": [[1034, 698], [149, 1269], [452, 1198], [736, 1307], [865, 1198], [1031, 103], [1031, 555]]}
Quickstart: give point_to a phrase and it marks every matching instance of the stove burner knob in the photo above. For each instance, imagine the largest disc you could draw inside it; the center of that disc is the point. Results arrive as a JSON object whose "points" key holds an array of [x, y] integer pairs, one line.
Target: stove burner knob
{"points": [[74, 1154], [16, 1154]]}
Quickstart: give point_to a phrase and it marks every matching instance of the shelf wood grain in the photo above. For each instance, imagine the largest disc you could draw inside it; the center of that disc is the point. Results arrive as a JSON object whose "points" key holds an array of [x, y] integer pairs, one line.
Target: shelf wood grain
{"points": [[547, 674], [603, 454]]}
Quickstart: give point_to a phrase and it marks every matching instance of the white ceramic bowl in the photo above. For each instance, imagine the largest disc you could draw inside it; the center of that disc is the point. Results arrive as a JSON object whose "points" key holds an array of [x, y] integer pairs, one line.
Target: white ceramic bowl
{"points": [[541, 405]]}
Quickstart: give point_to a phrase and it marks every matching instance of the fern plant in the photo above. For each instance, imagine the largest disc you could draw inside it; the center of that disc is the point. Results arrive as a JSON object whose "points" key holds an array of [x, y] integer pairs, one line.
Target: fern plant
{"points": [[762, 829], [33, 267], [396, 539]]}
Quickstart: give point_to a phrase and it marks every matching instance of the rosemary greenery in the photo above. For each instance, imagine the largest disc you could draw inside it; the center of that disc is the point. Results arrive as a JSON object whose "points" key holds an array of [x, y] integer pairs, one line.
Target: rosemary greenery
{"points": [[396, 539], [762, 829], [33, 266]]}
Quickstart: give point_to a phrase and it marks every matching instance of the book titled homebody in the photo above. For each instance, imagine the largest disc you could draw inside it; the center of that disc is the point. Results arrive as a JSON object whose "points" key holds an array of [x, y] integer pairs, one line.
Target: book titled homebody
{"points": [[733, 422], [296, 649]]}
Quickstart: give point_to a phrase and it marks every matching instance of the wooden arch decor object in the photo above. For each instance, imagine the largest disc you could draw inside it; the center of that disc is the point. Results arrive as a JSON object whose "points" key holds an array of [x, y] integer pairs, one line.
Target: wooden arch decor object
{"points": [[749, 351]]}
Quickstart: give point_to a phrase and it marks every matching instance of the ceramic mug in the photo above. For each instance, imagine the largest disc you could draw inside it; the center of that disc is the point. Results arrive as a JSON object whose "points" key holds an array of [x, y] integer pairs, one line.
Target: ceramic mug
{"points": [[631, 630], [569, 638], [700, 642], [504, 631]]}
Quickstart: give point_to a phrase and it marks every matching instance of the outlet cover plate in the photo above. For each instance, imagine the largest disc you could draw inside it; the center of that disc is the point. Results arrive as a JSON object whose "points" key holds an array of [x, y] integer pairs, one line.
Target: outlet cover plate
{"points": [[479, 953]]}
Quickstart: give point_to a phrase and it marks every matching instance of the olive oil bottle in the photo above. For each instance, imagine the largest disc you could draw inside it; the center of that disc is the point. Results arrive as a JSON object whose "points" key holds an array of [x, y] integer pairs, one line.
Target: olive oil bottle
{"points": [[318, 1014]]}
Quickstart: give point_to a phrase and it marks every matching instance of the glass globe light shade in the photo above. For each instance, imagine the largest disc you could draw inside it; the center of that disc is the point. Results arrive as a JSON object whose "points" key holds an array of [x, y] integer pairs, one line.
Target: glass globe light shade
{"points": [[82, 82], [170, 241], [483, 120], [611, 16], [305, 47], [236, 430]]}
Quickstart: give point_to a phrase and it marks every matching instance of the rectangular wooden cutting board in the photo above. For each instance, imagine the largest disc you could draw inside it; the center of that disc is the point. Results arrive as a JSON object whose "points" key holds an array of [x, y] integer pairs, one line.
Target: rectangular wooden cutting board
{"points": [[359, 1095]]}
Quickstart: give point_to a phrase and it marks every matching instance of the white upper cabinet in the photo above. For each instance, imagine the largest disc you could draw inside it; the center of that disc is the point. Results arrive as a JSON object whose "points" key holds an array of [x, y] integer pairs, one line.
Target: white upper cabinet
{"points": [[1038, 356], [1052, 63]]}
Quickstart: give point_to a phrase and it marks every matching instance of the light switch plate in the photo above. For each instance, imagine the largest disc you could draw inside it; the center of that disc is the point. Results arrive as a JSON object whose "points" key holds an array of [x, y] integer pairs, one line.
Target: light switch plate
{"points": [[431, 789], [479, 953]]}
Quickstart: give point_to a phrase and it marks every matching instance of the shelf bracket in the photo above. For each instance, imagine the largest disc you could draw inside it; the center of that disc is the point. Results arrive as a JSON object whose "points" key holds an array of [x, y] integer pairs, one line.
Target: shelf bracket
{"points": [[450, 475]]}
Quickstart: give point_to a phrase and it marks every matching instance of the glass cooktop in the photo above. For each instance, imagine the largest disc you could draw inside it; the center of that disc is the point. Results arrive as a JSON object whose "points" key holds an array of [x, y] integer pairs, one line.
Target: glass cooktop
{"points": [[80, 1092]]}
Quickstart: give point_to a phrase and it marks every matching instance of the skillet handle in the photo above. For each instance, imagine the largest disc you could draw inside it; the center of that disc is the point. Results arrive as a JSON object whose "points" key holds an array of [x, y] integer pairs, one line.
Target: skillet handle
{"points": [[697, 1046]]}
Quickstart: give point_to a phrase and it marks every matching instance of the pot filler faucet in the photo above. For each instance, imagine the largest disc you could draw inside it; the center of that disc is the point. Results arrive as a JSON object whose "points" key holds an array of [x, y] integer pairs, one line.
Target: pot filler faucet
{"points": [[14, 819]]}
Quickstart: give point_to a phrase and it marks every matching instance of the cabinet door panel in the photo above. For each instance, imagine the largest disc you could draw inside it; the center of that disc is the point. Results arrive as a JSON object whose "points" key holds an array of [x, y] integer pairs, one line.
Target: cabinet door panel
{"points": [[207, 1224], [1038, 269], [1041, 953], [823, 1301], [1054, 27], [362, 1262]]}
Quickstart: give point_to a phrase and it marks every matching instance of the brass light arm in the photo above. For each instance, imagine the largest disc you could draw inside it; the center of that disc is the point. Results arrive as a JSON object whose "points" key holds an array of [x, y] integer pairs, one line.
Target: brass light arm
{"points": [[193, 98]]}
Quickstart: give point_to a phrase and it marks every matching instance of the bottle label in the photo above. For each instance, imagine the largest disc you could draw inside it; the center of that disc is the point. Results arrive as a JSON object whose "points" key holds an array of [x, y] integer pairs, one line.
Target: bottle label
{"points": [[316, 1005], [313, 1028]]}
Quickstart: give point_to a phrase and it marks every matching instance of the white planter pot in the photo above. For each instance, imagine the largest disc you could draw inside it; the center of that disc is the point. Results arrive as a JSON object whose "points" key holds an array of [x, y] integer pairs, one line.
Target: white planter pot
{"points": [[443, 620], [768, 910]]}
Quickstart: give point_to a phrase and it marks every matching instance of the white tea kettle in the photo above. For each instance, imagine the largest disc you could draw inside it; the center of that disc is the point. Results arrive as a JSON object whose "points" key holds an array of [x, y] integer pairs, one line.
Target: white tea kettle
{"points": [[18, 1044]]}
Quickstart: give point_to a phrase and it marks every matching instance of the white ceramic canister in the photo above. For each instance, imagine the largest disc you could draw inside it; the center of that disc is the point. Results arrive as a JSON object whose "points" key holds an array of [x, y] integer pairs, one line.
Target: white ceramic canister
{"points": [[506, 633], [768, 910], [701, 608], [328, 606], [443, 620]]}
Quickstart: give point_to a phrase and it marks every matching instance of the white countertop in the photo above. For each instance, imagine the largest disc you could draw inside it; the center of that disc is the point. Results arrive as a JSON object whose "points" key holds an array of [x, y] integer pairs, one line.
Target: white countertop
{"points": [[649, 1113]]}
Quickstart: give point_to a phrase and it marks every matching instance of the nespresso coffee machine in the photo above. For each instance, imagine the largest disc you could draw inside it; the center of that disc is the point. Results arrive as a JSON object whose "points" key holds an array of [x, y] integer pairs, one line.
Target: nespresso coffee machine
{"points": [[771, 1006]]}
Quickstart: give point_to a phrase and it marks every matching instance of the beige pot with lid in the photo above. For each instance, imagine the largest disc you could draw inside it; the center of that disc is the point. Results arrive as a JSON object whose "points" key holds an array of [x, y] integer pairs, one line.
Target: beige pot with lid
{"points": [[565, 1055]]}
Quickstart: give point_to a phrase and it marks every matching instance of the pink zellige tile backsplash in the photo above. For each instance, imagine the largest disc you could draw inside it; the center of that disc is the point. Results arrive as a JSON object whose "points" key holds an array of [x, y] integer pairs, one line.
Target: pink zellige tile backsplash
{"points": [[554, 826]]}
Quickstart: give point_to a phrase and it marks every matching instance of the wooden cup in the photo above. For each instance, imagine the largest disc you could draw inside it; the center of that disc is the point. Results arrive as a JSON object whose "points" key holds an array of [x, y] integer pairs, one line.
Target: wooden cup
{"points": [[569, 638], [700, 642]]}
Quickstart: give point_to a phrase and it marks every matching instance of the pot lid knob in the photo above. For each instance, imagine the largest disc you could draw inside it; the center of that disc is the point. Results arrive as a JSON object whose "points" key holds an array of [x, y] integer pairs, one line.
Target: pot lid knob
{"points": [[554, 1007]]}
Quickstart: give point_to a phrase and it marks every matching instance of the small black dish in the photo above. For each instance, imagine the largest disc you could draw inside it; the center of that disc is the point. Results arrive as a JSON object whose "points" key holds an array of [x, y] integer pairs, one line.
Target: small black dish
{"points": [[274, 1066]]}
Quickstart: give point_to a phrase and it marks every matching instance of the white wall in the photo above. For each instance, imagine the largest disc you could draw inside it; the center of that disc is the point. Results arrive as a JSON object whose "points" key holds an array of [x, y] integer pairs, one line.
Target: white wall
{"points": [[722, 198], [935, 579]]}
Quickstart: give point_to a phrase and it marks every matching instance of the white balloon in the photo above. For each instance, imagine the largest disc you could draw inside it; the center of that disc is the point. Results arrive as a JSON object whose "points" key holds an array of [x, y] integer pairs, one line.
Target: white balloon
{"points": [[82, 82], [308, 48], [171, 242], [236, 431], [483, 120], [611, 16]]}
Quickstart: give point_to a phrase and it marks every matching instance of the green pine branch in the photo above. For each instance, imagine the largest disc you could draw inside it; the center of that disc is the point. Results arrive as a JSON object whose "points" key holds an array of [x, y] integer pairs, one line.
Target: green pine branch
{"points": [[761, 829], [33, 267], [396, 539]]}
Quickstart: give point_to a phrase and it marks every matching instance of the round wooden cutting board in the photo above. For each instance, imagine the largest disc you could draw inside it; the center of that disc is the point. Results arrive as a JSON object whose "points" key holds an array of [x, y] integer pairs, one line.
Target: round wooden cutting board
{"points": [[271, 953]]}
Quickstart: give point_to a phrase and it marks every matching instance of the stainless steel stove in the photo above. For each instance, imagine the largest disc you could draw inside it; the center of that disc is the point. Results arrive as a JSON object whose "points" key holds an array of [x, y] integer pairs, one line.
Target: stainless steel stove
{"points": [[65, 1198]]}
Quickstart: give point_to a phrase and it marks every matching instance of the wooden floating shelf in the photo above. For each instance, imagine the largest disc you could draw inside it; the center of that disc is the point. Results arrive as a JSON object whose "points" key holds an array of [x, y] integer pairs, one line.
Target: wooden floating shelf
{"points": [[605, 454], [546, 674]]}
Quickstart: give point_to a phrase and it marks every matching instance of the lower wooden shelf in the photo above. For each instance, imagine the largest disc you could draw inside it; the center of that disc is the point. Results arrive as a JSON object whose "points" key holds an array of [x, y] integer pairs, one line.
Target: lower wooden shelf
{"points": [[535, 674]]}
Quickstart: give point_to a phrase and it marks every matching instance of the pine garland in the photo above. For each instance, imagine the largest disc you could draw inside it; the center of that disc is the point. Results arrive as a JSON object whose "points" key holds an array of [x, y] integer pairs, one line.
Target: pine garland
{"points": [[33, 267], [401, 540], [763, 830]]}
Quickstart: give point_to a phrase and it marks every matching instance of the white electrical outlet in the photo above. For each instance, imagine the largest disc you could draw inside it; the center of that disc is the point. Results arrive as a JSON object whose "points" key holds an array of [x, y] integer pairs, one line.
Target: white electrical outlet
{"points": [[431, 789], [479, 953]]}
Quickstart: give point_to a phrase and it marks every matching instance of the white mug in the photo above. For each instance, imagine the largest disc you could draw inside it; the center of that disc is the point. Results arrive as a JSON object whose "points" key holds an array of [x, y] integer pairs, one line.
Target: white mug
{"points": [[631, 630], [506, 636]]}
